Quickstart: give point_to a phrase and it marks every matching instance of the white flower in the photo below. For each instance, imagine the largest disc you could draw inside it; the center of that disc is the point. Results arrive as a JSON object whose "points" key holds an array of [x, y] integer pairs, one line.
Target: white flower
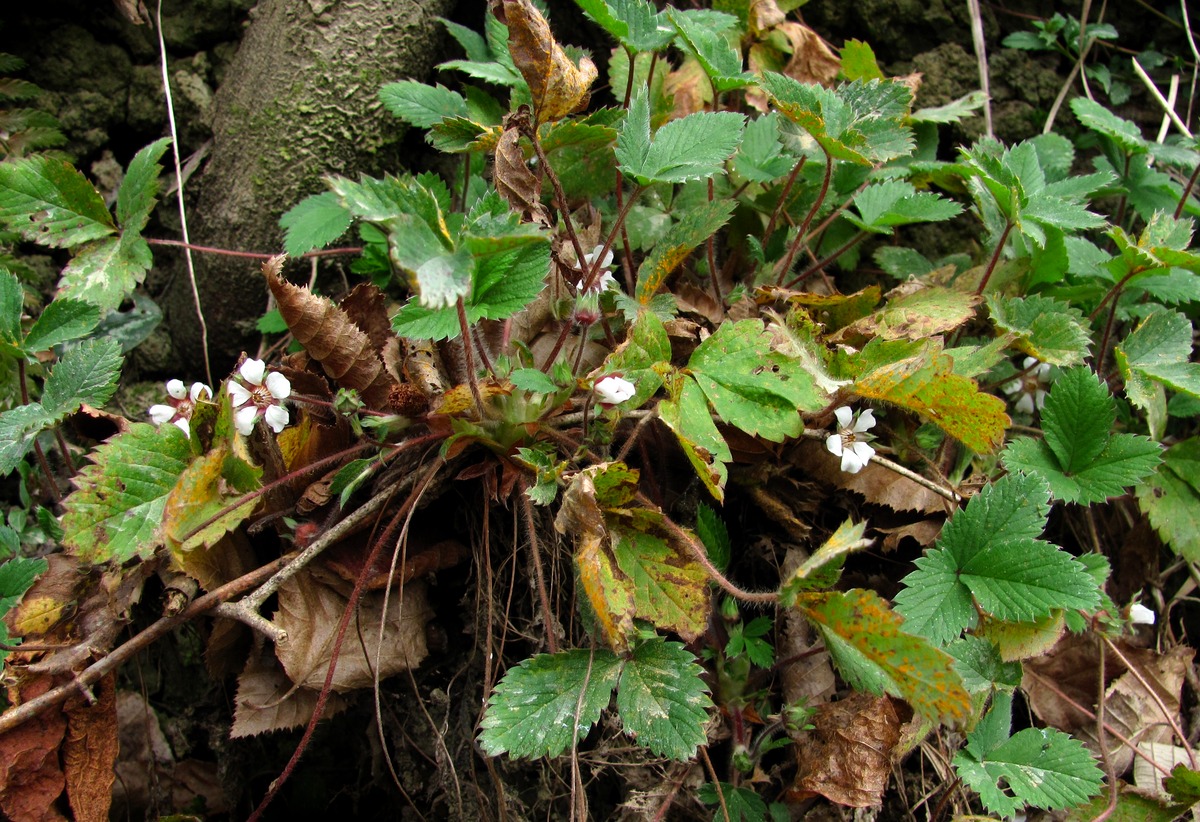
{"points": [[612, 390], [252, 395], [1139, 614], [1030, 386], [182, 404], [606, 280], [849, 441]]}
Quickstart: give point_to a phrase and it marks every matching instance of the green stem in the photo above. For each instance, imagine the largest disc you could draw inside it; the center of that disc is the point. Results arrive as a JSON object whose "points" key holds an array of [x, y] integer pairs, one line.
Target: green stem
{"points": [[995, 260], [712, 258], [808, 218]]}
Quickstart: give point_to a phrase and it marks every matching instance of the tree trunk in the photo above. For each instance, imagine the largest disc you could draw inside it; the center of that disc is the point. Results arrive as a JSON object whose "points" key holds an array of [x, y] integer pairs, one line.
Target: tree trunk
{"points": [[299, 101]]}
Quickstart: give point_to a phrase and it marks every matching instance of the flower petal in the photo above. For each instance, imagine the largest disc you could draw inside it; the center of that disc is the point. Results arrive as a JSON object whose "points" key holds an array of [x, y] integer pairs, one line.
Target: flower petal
{"points": [[252, 371], [863, 451], [199, 390], [278, 385], [183, 426], [1029, 362], [844, 416], [175, 389], [612, 390], [1139, 614], [238, 395], [277, 417], [1025, 404], [1013, 387], [866, 421], [244, 419], [851, 464], [833, 444], [161, 413]]}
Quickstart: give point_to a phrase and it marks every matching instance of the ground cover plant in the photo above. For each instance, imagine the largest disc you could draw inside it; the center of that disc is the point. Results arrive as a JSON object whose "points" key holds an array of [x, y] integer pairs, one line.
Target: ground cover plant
{"points": [[641, 387]]}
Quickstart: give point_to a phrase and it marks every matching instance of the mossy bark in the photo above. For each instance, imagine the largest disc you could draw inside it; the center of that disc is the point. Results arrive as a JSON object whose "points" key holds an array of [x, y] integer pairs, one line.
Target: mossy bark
{"points": [[299, 101]]}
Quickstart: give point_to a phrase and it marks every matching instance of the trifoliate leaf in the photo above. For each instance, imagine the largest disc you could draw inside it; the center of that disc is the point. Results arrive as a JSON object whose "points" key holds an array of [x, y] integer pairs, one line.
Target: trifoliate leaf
{"points": [[105, 272], [860, 121], [314, 222], [61, 321], [694, 227], [422, 105], [669, 588], [761, 158], [1052, 331], [87, 373], [118, 507], [49, 202], [548, 703], [1171, 499], [1159, 350], [1078, 456], [139, 189], [988, 554], [686, 413], [873, 652], [692, 148], [662, 701], [883, 206], [752, 387]]}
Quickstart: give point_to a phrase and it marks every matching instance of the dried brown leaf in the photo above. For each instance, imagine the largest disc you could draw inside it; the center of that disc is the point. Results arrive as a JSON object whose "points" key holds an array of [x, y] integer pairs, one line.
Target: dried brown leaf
{"points": [[812, 60], [688, 86], [330, 337], [90, 752], [310, 610], [519, 186], [879, 485], [31, 779], [557, 86], [346, 560], [847, 756], [366, 306], [268, 701]]}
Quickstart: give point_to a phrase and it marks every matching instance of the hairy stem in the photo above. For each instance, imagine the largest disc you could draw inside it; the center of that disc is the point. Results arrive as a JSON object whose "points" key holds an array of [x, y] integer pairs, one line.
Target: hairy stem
{"points": [[535, 553], [783, 195], [820, 264], [469, 356], [995, 259], [1187, 192], [786, 265]]}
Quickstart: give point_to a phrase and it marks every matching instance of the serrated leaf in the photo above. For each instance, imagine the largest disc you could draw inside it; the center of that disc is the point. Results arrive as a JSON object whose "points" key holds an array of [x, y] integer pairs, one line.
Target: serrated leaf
{"points": [[867, 642], [633, 22], [548, 703], [16, 575], [883, 206], [694, 227], [314, 222], [18, 429], [645, 346], [105, 272], [139, 188], [12, 306], [1050, 330], [692, 148], [662, 700], [422, 105], [61, 321], [531, 379], [87, 373], [719, 58], [582, 155], [556, 84], [47, 201], [198, 510], [761, 158], [711, 530], [954, 111], [669, 588], [1171, 499], [752, 387], [926, 384], [1098, 118], [1158, 350], [686, 413], [824, 567], [981, 666], [743, 804], [116, 511], [916, 312]]}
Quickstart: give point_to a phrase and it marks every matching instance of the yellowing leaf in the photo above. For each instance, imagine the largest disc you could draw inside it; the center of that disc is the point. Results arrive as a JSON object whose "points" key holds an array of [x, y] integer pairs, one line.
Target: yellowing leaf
{"points": [[926, 383], [915, 311], [556, 84], [200, 495], [669, 588]]}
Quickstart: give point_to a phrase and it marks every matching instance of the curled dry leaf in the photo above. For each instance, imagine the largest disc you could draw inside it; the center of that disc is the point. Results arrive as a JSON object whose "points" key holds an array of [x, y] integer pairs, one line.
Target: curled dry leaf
{"points": [[330, 337], [89, 753], [268, 701], [346, 560], [310, 610], [812, 61], [31, 779], [519, 186], [847, 757], [557, 86]]}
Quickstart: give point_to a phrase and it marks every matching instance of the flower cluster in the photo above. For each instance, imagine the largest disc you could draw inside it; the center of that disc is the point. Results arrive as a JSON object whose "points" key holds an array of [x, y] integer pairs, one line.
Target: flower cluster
{"points": [[1030, 386], [178, 410], [254, 392], [849, 441]]}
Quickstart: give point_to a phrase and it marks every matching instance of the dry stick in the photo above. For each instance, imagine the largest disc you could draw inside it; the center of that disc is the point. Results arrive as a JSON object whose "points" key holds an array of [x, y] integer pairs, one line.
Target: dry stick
{"points": [[712, 772], [347, 614], [1187, 192], [183, 225], [535, 551], [93, 673], [252, 255], [981, 60], [1109, 767], [1157, 700], [1162, 101], [924, 482], [669, 799], [469, 355]]}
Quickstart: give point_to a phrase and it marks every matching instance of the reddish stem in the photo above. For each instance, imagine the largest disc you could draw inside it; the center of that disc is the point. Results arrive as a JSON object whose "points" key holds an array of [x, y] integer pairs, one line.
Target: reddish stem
{"points": [[253, 255], [808, 218]]}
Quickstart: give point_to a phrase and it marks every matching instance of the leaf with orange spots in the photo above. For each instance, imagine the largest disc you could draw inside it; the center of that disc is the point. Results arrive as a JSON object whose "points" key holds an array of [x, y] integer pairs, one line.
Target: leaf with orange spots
{"points": [[696, 226], [873, 654]]}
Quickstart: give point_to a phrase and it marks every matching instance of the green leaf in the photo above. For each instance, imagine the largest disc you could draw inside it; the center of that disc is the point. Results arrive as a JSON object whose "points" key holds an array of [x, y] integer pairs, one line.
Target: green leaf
{"points": [[669, 588], [314, 222], [714, 52], [1052, 331], [686, 413], [116, 512], [953, 112], [582, 154], [48, 202], [874, 654], [752, 387], [743, 804], [139, 189], [1171, 499], [979, 663], [16, 575], [662, 700], [1078, 457], [711, 530], [105, 272], [1037, 766], [200, 509], [915, 312], [824, 567], [694, 227], [422, 105], [859, 121], [761, 158], [691, 148], [441, 280], [858, 61], [645, 346], [12, 306], [635, 23], [548, 703], [61, 321], [988, 553], [926, 383], [531, 379], [87, 373], [1159, 350], [883, 206], [1099, 119]]}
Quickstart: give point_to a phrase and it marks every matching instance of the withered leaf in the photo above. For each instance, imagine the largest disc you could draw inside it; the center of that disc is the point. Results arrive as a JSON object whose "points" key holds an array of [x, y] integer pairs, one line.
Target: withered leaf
{"points": [[812, 61], [847, 756], [268, 701], [519, 186], [89, 753], [366, 306], [879, 485], [557, 86], [310, 610], [31, 779], [330, 337]]}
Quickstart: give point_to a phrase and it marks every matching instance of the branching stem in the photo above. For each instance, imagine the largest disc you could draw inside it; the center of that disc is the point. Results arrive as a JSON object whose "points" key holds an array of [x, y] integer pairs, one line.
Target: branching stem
{"points": [[786, 265]]}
